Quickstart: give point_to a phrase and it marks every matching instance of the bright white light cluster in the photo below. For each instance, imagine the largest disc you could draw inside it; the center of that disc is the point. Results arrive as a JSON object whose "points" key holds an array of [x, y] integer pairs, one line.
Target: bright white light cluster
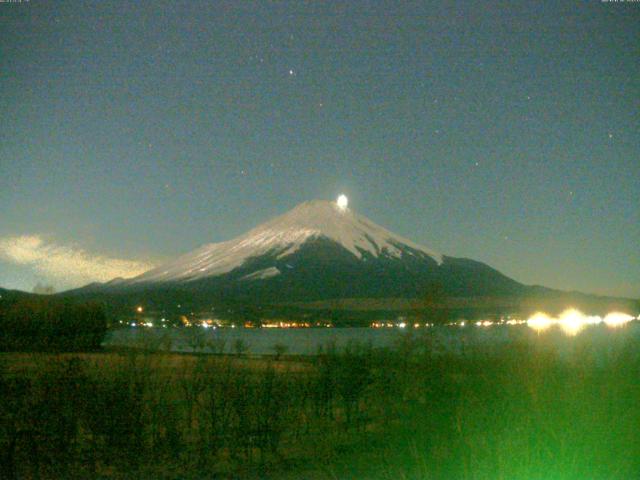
{"points": [[484, 323], [572, 321]]}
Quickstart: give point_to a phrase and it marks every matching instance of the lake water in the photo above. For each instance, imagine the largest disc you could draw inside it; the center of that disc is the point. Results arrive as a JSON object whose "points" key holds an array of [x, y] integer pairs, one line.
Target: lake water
{"points": [[307, 341]]}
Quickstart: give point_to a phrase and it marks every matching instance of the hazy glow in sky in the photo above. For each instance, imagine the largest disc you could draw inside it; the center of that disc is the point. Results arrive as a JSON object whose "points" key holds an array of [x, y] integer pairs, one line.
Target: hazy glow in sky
{"points": [[65, 265]]}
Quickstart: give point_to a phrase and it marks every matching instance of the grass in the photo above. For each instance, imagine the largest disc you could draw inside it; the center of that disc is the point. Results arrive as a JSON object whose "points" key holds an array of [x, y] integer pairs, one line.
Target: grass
{"points": [[523, 410]]}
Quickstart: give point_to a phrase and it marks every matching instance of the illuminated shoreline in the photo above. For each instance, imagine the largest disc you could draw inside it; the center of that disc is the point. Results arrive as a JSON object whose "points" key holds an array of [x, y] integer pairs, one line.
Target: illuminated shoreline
{"points": [[571, 321]]}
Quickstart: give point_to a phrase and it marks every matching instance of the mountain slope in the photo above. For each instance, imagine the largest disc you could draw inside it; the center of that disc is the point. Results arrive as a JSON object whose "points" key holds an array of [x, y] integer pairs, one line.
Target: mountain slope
{"points": [[285, 235]]}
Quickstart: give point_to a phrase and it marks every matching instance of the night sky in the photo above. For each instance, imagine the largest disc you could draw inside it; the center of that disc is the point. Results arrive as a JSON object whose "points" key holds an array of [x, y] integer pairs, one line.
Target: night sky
{"points": [[506, 132]]}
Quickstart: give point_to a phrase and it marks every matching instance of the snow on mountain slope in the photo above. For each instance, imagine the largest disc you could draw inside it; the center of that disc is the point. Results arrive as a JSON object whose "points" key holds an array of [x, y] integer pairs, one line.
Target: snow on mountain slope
{"points": [[262, 274], [283, 236]]}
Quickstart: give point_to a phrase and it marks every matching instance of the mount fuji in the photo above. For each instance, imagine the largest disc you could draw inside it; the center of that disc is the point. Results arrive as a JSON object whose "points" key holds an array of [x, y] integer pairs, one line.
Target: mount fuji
{"points": [[320, 253], [319, 250], [309, 223]]}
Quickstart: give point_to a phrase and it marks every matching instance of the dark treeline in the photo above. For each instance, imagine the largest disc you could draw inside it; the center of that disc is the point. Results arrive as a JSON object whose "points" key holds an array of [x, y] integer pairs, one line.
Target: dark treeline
{"points": [[516, 411], [38, 323]]}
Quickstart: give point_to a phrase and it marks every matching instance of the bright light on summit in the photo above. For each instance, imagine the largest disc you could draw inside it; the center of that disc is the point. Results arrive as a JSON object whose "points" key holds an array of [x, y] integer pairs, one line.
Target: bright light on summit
{"points": [[342, 202]]}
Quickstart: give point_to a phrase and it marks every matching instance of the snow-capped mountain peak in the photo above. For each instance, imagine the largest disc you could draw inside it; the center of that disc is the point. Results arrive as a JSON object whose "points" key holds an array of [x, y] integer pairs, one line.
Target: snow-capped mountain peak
{"points": [[283, 236], [354, 232]]}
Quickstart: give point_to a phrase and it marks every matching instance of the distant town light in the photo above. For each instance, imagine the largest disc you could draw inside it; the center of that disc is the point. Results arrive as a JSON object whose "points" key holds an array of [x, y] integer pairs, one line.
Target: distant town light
{"points": [[540, 321], [484, 323], [139, 309], [617, 319], [571, 321]]}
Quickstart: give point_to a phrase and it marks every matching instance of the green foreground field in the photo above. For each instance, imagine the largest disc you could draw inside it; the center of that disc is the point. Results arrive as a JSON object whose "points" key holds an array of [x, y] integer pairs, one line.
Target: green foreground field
{"points": [[520, 411]]}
